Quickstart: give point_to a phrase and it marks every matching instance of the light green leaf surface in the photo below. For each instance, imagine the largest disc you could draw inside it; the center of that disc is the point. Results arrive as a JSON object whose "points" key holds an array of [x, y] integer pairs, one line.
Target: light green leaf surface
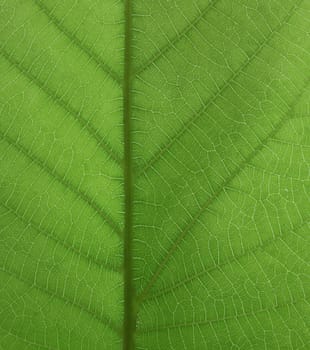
{"points": [[154, 174]]}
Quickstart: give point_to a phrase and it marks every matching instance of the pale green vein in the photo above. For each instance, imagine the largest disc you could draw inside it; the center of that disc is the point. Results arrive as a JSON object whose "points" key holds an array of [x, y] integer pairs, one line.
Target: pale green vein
{"points": [[25, 340], [273, 173], [186, 126], [171, 43], [253, 250], [79, 254], [224, 319], [66, 183], [214, 197], [105, 321], [87, 50], [57, 99]]}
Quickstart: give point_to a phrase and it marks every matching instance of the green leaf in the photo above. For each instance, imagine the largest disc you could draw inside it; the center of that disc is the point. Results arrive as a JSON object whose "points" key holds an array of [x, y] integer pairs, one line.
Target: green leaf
{"points": [[154, 174]]}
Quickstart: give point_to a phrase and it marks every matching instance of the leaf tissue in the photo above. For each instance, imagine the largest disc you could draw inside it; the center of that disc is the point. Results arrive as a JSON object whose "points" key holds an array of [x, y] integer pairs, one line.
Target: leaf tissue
{"points": [[154, 174]]}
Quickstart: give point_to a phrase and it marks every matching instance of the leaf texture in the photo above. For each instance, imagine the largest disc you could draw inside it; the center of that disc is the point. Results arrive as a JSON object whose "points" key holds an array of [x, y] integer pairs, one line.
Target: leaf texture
{"points": [[154, 174]]}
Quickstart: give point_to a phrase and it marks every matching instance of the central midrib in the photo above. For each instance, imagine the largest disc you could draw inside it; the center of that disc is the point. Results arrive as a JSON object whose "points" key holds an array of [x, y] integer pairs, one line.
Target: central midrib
{"points": [[129, 295]]}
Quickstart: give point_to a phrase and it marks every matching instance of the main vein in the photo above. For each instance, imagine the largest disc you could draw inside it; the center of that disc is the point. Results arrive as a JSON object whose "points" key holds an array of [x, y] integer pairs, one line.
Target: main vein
{"points": [[129, 309]]}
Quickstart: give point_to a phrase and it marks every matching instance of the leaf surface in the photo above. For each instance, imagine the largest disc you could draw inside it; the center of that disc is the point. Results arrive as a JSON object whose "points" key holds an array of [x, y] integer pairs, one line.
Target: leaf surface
{"points": [[154, 174]]}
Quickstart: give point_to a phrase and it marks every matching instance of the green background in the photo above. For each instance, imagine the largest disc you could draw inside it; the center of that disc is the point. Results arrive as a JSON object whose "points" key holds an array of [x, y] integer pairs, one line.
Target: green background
{"points": [[217, 103]]}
